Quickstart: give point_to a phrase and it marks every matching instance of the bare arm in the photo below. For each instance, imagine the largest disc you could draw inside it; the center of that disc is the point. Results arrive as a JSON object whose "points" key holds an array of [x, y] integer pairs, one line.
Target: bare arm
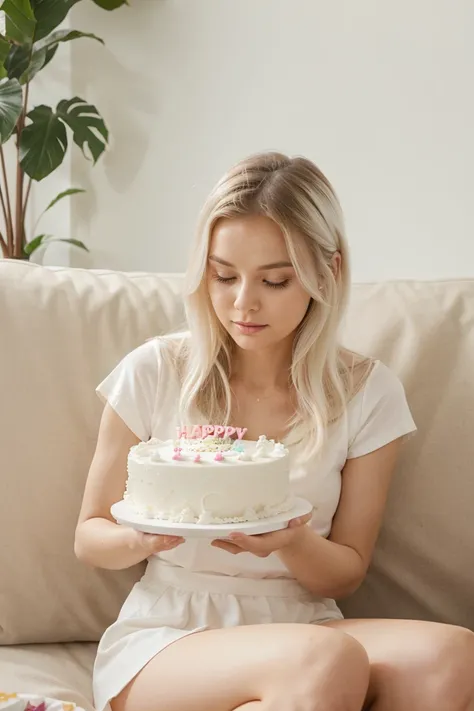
{"points": [[99, 541], [333, 567]]}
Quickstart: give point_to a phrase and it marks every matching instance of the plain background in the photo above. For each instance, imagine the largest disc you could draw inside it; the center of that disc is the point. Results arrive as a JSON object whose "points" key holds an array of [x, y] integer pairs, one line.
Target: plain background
{"points": [[378, 94]]}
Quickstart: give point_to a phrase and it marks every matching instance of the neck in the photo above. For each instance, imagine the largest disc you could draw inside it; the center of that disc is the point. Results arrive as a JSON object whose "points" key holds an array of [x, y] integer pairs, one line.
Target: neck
{"points": [[263, 370]]}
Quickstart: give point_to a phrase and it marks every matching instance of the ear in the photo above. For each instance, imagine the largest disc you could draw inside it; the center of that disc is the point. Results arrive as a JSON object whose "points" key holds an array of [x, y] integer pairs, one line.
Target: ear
{"points": [[335, 264]]}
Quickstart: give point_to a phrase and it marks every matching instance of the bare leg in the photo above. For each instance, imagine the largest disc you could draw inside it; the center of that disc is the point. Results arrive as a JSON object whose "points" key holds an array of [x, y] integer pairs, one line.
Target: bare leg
{"points": [[416, 665], [253, 668]]}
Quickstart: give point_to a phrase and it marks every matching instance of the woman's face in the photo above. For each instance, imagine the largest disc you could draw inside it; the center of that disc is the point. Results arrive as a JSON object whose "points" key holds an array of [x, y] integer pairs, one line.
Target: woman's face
{"points": [[252, 284]]}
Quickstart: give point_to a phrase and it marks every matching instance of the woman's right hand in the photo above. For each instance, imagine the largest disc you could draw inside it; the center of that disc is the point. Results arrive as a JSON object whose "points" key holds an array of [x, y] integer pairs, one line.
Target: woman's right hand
{"points": [[100, 541], [151, 543]]}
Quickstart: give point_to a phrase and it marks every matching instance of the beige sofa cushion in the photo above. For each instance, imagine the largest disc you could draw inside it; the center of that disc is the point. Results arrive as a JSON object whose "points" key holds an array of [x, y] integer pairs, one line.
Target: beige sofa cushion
{"points": [[62, 330], [423, 565], [59, 671]]}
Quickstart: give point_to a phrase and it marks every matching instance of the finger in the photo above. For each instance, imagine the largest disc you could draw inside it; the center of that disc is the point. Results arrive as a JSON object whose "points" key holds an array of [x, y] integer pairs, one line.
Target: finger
{"points": [[259, 545], [172, 541], [300, 520], [153, 542], [227, 546]]}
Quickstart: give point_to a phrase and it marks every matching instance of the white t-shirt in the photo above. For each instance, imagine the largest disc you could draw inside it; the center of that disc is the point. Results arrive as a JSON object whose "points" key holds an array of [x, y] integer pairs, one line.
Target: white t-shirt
{"points": [[144, 390]]}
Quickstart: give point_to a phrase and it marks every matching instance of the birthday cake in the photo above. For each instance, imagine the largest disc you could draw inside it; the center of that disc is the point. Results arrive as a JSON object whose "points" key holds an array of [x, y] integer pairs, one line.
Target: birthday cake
{"points": [[208, 474]]}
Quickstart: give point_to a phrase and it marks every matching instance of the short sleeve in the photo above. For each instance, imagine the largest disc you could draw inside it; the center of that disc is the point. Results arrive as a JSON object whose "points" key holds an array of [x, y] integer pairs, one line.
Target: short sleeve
{"points": [[131, 388], [383, 415]]}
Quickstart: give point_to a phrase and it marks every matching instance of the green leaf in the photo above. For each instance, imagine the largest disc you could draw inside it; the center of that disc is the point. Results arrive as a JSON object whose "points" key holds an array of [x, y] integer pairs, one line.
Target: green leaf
{"points": [[49, 14], [5, 47], [65, 193], [23, 63], [87, 125], [75, 242], [44, 51], [63, 36], [37, 63], [43, 143], [17, 60], [30, 247], [110, 4], [4, 52], [50, 54], [20, 20], [11, 104]]}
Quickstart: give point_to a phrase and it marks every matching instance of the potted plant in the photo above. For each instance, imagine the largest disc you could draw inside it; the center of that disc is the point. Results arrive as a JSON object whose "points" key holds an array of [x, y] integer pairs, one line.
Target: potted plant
{"points": [[42, 134]]}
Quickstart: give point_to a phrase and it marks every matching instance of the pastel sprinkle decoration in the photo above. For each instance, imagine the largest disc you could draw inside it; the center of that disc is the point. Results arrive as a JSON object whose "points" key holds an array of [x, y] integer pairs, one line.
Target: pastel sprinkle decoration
{"points": [[197, 458], [219, 457], [177, 454]]}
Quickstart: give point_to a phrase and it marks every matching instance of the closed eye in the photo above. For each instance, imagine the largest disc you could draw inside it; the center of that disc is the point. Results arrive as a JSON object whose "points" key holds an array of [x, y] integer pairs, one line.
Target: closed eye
{"points": [[223, 280], [277, 284], [271, 284]]}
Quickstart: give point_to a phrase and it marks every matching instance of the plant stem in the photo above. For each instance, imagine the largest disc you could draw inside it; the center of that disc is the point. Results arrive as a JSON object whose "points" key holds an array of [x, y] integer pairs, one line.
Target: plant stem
{"points": [[5, 216], [19, 226], [8, 211], [19, 221], [25, 204], [3, 245]]}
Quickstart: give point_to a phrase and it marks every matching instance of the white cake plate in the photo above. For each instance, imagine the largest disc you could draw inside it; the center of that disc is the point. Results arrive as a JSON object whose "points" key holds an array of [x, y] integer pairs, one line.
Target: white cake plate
{"points": [[124, 514]]}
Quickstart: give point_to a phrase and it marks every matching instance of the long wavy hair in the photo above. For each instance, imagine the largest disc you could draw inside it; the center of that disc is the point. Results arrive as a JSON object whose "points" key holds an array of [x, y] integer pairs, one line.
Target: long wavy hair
{"points": [[296, 195]]}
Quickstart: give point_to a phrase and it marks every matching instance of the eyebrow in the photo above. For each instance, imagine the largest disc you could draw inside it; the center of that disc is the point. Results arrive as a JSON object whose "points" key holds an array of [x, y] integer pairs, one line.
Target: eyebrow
{"points": [[274, 265]]}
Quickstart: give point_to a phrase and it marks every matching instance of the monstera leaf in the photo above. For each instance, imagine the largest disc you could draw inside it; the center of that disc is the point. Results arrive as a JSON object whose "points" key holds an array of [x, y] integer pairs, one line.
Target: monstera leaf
{"points": [[86, 124], [44, 141], [11, 101]]}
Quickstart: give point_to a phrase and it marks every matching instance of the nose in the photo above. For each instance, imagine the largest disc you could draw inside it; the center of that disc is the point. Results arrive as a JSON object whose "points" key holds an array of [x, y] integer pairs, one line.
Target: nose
{"points": [[246, 297]]}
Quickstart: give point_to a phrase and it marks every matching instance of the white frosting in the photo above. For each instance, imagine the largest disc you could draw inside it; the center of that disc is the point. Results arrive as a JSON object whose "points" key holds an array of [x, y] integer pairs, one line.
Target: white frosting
{"points": [[229, 482]]}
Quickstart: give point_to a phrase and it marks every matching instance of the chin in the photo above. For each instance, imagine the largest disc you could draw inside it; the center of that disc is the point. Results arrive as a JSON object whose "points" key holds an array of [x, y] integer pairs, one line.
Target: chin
{"points": [[254, 343]]}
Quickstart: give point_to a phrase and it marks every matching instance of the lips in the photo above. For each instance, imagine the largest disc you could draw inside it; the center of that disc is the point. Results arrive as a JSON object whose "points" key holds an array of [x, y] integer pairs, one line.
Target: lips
{"points": [[250, 323], [248, 328]]}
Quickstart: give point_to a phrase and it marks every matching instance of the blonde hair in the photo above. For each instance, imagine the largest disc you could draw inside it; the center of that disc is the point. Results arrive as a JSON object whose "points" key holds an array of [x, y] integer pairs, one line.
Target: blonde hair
{"points": [[300, 200]]}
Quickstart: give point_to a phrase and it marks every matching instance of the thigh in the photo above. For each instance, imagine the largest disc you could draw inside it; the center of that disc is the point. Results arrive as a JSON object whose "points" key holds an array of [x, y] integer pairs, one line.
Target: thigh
{"points": [[224, 669]]}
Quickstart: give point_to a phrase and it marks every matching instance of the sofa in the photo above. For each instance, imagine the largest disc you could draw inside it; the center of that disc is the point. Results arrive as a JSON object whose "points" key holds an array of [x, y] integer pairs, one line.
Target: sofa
{"points": [[63, 329]]}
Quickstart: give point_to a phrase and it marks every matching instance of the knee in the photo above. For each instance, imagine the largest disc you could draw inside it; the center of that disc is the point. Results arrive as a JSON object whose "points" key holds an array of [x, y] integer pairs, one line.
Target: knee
{"points": [[332, 672], [454, 668], [446, 669]]}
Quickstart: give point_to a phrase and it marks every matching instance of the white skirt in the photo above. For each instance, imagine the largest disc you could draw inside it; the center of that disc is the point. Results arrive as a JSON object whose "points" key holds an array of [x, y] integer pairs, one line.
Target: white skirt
{"points": [[170, 602]]}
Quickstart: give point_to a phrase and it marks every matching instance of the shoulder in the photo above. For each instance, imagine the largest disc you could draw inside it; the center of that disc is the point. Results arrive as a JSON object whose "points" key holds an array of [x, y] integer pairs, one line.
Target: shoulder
{"points": [[381, 383], [144, 378], [157, 354], [368, 377], [379, 412]]}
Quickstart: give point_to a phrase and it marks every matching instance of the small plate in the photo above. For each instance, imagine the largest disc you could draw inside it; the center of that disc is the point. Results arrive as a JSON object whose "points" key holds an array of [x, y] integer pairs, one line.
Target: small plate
{"points": [[124, 514]]}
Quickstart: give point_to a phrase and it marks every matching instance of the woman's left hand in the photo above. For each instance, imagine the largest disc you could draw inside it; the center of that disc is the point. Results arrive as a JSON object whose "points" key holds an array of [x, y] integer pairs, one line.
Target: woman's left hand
{"points": [[263, 544]]}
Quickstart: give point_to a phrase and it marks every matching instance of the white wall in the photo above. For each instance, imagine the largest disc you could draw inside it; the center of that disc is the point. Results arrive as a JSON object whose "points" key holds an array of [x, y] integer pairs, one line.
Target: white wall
{"points": [[379, 94]]}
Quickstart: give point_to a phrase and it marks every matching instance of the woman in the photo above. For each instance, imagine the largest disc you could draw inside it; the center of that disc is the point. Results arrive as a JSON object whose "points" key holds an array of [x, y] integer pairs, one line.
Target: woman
{"points": [[251, 623]]}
